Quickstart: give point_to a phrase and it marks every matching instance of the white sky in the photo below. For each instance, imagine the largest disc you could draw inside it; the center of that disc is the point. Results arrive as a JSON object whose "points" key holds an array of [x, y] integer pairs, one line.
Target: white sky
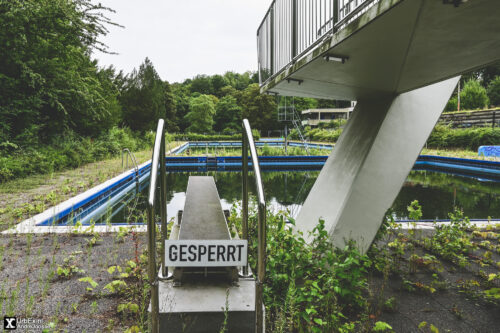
{"points": [[184, 38]]}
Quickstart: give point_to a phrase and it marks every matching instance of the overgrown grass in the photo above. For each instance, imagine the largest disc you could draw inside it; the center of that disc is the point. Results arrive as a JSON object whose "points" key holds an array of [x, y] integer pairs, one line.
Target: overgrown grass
{"points": [[262, 151], [209, 137], [442, 137], [69, 151]]}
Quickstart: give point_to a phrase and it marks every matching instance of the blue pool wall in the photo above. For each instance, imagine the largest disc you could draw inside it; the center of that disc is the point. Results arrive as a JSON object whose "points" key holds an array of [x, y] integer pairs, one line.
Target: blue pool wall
{"points": [[483, 170], [236, 144]]}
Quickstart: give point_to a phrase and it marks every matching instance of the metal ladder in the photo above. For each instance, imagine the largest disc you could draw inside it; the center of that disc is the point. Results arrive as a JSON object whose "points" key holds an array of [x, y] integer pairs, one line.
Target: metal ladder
{"points": [[288, 113], [132, 158], [158, 161]]}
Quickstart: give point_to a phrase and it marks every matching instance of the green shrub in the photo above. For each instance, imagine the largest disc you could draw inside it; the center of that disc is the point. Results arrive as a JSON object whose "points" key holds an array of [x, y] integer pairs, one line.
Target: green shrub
{"points": [[494, 91], [452, 104], [463, 138], [473, 96]]}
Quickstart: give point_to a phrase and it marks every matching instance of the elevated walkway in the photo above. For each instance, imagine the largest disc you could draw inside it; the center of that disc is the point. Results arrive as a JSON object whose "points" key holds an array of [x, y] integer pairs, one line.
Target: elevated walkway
{"points": [[393, 47], [400, 60]]}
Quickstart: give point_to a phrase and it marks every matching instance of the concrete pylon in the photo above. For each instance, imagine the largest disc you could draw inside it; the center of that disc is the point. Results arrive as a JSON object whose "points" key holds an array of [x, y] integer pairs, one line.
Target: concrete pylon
{"points": [[370, 162]]}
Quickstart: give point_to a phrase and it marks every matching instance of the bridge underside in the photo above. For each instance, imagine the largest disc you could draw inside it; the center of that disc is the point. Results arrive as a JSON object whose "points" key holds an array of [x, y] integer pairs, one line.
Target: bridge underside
{"points": [[403, 59], [397, 46]]}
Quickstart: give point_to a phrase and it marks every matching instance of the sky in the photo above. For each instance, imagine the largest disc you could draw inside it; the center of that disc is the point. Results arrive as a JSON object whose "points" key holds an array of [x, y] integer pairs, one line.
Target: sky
{"points": [[184, 38]]}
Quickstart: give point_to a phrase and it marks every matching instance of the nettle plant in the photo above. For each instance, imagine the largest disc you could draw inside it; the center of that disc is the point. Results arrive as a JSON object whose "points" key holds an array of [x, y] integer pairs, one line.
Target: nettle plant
{"points": [[452, 240], [309, 286], [69, 267]]}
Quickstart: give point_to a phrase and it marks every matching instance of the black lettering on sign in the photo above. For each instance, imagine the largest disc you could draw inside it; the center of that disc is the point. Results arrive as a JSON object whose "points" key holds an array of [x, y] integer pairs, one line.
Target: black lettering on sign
{"points": [[172, 252], [192, 252], [211, 252], [230, 253], [221, 249], [202, 250], [239, 251], [182, 252]]}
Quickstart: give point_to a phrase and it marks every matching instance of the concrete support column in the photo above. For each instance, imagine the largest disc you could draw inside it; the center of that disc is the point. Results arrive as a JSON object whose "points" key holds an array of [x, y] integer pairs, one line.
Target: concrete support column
{"points": [[370, 162]]}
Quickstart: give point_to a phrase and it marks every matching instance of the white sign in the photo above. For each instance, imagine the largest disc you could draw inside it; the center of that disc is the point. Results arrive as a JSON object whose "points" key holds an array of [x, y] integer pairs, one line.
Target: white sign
{"points": [[205, 253]]}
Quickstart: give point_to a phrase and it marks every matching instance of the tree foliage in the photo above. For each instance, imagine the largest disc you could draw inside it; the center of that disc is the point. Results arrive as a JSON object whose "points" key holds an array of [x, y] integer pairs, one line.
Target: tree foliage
{"points": [[48, 82], [473, 96], [227, 115], [259, 109], [201, 113], [143, 98], [494, 91]]}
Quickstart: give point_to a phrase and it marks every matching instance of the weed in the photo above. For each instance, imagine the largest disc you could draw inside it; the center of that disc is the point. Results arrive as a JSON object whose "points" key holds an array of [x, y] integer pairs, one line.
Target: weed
{"points": [[69, 267], [128, 308], [390, 304], [381, 326], [90, 281], [116, 286], [223, 329], [93, 307]]}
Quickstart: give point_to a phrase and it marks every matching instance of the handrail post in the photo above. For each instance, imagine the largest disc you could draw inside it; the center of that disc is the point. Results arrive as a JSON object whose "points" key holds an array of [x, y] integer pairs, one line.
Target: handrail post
{"points": [[248, 143], [152, 275], [244, 194], [261, 269], [272, 41], [158, 152], [163, 200], [294, 29], [336, 9]]}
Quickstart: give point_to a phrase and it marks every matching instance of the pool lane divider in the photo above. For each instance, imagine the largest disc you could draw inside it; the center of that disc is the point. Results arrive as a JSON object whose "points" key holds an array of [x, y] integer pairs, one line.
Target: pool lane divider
{"points": [[45, 220]]}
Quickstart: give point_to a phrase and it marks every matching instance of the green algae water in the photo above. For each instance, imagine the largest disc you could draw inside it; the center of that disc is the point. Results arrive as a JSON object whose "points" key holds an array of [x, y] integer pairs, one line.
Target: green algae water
{"points": [[438, 193]]}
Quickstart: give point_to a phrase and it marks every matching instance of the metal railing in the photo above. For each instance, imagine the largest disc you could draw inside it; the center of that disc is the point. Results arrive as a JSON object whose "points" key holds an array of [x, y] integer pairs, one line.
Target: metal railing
{"points": [[248, 142], [291, 28], [157, 158], [132, 158]]}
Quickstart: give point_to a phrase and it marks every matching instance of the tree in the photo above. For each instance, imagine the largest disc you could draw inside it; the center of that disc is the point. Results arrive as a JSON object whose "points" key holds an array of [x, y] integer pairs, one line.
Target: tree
{"points": [[238, 81], [218, 82], [201, 84], [494, 91], [259, 109], [201, 113], [143, 99], [489, 73], [181, 100], [473, 96], [48, 83], [170, 110], [227, 115], [301, 103]]}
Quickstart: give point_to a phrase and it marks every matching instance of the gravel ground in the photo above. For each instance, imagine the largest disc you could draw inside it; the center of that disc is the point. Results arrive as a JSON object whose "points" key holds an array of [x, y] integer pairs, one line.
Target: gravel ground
{"points": [[31, 287]]}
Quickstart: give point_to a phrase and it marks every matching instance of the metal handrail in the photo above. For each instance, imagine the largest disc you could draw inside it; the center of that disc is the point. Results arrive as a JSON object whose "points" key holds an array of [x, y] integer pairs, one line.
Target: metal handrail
{"points": [[132, 157], [158, 152], [247, 142], [136, 167], [290, 29]]}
